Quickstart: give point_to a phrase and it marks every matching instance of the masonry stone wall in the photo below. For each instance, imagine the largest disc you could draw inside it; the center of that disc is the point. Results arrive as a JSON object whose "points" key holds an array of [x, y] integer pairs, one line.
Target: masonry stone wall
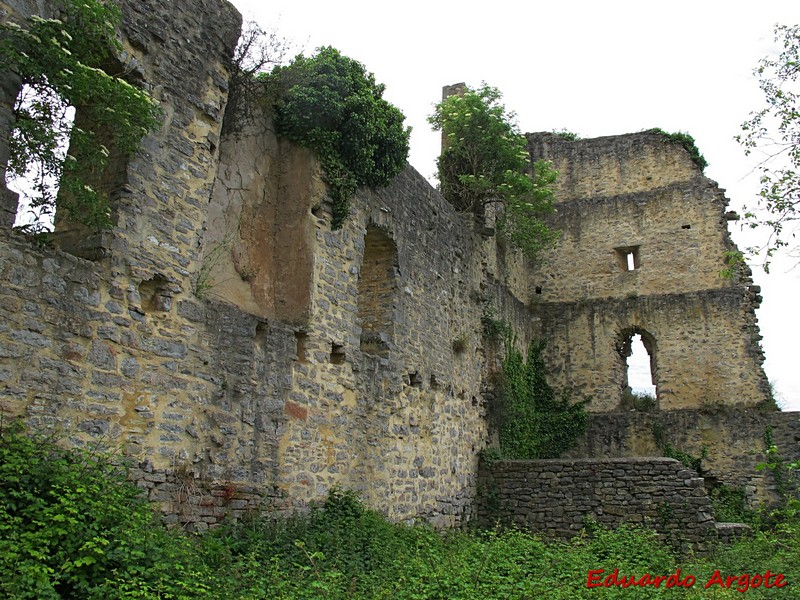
{"points": [[731, 442], [231, 344], [242, 353], [699, 342], [556, 497], [644, 237]]}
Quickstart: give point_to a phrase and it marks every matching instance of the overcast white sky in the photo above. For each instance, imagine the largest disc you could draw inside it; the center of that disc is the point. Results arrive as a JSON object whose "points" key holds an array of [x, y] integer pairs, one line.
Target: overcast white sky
{"points": [[594, 68]]}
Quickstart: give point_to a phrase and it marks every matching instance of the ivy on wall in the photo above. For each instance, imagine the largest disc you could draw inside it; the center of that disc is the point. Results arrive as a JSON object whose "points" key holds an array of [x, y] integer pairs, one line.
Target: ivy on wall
{"points": [[533, 421]]}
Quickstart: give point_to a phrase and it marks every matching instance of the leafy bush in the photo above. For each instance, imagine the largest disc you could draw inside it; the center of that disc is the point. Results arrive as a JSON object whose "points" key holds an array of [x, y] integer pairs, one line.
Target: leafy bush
{"points": [[331, 104], [632, 400], [730, 505], [566, 134], [687, 141], [72, 527]]}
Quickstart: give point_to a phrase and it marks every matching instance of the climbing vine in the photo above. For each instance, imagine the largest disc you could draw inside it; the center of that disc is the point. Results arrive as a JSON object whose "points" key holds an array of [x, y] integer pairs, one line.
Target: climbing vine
{"points": [[786, 473], [534, 422], [331, 104], [59, 62]]}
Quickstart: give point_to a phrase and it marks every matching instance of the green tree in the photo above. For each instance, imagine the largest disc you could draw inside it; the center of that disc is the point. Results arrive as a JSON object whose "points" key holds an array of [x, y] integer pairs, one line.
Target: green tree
{"points": [[60, 63], [331, 104], [485, 162], [774, 133]]}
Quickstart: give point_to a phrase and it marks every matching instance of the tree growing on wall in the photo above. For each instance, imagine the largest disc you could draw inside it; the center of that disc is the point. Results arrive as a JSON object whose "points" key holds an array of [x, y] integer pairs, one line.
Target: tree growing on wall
{"points": [[59, 62], [774, 133], [485, 163], [331, 104]]}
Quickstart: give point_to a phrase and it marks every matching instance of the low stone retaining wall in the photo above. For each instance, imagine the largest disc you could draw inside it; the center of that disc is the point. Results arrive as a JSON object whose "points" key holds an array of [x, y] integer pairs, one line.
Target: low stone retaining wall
{"points": [[730, 440], [555, 497]]}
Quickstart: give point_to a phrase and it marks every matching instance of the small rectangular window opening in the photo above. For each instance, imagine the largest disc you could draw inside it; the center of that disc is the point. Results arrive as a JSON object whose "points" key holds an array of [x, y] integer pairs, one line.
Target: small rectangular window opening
{"points": [[301, 338], [337, 356], [628, 257]]}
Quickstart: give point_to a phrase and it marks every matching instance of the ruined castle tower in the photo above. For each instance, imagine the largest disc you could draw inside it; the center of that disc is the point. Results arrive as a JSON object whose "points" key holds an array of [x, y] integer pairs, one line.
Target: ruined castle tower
{"points": [[644, 242]]}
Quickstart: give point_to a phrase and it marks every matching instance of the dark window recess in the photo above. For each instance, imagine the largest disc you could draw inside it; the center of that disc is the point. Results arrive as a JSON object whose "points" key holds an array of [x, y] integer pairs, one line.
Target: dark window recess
{"points": [[686, 226], [415, 379], [337, 354], [538, 289], [435, 385], [155, 295], [301, 338], [260, 338], [628, 257], [377, 290]]}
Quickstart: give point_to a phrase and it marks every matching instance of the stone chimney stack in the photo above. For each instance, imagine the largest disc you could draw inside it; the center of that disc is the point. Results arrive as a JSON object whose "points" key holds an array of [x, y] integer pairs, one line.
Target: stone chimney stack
{"points": [[455, 89]]}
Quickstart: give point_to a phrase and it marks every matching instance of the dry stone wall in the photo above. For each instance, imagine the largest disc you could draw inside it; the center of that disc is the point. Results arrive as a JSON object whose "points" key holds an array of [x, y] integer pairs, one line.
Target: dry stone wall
{"points": [[556, 497], [731, 442]]}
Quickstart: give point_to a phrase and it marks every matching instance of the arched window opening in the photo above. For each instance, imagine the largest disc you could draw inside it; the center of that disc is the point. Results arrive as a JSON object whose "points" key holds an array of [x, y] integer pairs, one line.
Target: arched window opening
{"points": [[377, 287], [637, 371], [640, 376]]}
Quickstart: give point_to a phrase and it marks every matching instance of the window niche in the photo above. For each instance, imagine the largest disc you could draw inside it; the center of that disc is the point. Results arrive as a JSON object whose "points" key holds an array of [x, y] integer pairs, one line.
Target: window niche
{"points": [[378, 283], [155, 295], [68, 132], [337, 355], [628, 257], [637, 368]]}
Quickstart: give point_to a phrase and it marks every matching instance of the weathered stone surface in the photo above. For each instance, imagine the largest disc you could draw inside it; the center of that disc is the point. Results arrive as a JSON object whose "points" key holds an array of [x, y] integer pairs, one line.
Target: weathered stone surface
{"points": [[639, 194], [730, 440], [239, 348], [557, 497]]}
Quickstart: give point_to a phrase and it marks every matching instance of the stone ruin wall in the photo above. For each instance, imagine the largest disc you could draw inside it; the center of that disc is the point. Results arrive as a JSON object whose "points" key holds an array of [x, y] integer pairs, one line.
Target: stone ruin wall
{"points": [[240, 352], [230, 343], [731, 442], [557, 497], [640, 194]]}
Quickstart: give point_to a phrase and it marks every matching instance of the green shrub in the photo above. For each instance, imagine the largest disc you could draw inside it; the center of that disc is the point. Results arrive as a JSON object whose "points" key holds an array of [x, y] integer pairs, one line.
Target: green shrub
{"points": [[485, 163], [331, 104], [71, 526], [687, 141], [730, 505]]}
